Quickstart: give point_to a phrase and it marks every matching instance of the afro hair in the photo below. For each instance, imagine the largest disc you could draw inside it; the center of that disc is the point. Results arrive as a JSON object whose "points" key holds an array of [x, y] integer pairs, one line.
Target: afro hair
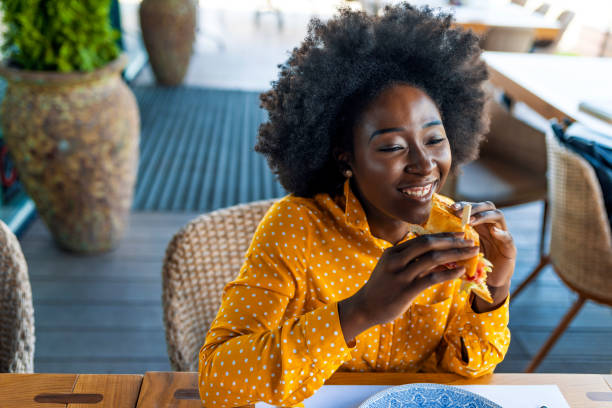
{"points": [[343, 64]]}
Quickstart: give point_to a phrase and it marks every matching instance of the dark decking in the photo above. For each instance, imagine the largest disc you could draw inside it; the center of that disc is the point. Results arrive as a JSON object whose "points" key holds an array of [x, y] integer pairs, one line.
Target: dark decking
{"points": [[197, 150], [103, 313]]}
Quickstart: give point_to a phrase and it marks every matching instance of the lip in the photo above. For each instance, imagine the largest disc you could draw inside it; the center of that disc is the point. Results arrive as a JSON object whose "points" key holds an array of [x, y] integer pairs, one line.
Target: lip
{"points": [[422, 184]]}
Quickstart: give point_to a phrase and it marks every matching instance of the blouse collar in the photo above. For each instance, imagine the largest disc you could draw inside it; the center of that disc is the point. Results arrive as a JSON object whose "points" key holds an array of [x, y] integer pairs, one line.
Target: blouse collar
{"points": [[354, 214]]}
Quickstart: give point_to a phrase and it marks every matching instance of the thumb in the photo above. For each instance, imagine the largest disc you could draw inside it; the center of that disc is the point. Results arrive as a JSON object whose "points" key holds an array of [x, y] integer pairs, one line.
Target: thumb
{"points": [[498, 232], [502, 237]]}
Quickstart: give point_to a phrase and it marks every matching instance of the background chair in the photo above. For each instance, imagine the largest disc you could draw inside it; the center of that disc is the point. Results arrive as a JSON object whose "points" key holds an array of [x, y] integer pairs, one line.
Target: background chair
{"points": [[508, 39], [581, 241], [542, 9], [16, 310], [606, 47], [564, 19], [511, 169], [201, 258], [270, 8]]}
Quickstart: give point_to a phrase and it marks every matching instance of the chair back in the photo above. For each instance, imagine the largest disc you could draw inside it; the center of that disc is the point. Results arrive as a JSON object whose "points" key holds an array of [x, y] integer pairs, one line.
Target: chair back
{"points": [[508, 39], [514, 141], [581, 242], [542, 9], [606, 47], [591, 42], [16, 310], [565, 18], [201, 258], [548, 46]]}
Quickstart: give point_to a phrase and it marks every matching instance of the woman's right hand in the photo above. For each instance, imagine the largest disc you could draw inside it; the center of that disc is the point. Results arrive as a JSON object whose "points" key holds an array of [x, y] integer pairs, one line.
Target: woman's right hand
{"points": [[401, 274]]}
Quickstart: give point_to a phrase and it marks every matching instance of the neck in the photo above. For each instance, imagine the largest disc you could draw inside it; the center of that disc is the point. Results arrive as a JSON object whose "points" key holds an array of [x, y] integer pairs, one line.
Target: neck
{"points": [[383, 226], [392, 231]]}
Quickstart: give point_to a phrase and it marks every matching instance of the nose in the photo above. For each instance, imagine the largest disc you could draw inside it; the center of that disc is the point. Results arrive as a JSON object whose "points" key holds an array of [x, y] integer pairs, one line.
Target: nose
{"points": [[419, 161]]}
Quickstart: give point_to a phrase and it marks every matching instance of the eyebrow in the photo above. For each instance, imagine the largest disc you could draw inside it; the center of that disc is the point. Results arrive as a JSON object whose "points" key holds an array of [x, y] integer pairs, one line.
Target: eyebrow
{"points": [[432, 123], [399, 129], [387, 130]]}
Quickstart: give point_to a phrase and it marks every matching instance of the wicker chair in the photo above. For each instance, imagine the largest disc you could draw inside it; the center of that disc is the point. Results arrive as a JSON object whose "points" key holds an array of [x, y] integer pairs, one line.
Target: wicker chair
{"points": [[581, 241], [201, 258], [16, 310]]}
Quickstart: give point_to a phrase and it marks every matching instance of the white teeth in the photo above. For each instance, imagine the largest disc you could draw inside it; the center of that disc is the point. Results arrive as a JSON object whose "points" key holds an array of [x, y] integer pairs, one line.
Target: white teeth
{"points": [[418, 191]]}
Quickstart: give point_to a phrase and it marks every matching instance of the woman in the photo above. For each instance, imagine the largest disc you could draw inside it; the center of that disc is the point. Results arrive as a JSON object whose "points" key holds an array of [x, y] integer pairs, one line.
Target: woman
{"points": [[367, 119]]}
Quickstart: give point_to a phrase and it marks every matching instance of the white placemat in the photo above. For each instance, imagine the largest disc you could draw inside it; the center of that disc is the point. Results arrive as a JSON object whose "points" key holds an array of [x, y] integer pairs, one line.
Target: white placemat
{"points": [[508, 396]]}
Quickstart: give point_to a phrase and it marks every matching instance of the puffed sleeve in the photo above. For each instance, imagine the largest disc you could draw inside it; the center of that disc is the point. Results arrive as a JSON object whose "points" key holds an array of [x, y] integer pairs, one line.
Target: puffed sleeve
{"points": [[261, 347]]}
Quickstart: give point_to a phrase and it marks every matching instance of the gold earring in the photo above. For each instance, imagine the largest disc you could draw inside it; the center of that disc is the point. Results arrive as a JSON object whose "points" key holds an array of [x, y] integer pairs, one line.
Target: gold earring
{"points": [[348, 173]]}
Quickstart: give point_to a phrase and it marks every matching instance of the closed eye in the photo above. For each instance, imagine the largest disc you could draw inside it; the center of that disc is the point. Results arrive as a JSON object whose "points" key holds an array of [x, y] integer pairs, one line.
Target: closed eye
{"points": [[436, 141], [390, 148]]}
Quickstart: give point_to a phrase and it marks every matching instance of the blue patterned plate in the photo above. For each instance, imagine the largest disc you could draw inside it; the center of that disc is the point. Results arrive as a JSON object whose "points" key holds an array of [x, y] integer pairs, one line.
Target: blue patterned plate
{"points": [[427, 396]]}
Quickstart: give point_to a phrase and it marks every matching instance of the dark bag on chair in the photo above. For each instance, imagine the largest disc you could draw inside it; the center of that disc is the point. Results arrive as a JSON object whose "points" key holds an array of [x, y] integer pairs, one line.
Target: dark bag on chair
{"points": [[583, 141]]}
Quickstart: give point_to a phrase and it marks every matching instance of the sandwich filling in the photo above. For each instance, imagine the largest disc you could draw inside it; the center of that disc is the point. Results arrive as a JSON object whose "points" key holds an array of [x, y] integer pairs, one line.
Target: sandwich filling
{"points": [[442, 219]]}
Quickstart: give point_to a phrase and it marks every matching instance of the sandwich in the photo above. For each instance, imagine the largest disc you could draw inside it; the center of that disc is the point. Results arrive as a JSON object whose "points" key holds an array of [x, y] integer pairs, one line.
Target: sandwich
{"points": [[442, 219]]}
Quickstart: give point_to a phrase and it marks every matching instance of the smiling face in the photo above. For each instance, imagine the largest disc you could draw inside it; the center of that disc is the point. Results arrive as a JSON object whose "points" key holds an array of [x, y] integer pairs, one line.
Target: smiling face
{"points": [[401, 156]]}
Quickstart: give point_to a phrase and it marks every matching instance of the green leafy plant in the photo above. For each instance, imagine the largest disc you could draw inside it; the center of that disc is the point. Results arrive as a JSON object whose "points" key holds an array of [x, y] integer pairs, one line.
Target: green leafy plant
{"points": [[58, 35]]}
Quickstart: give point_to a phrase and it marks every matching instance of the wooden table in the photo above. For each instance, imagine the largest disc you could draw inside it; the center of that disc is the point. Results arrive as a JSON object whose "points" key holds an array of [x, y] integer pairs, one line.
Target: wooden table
{"points": [[484, 15], [554, 85], [69, 390], [179, 390]]}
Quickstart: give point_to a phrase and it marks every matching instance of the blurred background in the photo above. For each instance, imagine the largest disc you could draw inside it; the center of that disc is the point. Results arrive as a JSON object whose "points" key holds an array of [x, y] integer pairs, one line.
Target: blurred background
{"points": [[101, 311], [230, 37]]}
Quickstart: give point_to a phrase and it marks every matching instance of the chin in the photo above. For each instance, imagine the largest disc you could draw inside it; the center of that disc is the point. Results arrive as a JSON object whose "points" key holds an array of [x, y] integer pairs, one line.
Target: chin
{"points": [[416, 212]]}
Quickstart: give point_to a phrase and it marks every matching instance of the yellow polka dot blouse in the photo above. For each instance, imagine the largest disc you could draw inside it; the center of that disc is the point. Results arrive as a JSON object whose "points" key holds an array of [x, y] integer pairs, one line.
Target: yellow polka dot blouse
{"points": [[277, 336]]}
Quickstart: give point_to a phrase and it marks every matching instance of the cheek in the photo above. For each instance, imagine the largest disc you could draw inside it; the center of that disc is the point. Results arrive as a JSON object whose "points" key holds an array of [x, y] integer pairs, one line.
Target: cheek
{"points": [[444, 160], [447, 159], [377, 170]]}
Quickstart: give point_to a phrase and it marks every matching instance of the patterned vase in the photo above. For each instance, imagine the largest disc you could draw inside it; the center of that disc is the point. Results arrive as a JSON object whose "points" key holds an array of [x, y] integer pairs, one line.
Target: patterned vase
{"points": [[168, 31], [74, 138]]}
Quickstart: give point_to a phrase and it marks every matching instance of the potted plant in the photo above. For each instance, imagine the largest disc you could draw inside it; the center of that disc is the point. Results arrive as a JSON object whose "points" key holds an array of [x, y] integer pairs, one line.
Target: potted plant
{"points": [[68, 119]]}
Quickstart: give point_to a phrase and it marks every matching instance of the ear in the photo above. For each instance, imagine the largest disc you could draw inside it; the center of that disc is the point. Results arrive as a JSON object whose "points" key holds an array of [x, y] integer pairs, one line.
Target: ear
{"points": [[343, 159]]}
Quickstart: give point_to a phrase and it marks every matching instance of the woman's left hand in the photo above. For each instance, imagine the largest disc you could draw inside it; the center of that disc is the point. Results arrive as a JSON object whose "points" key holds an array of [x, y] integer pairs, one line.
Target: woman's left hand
{"points": [[496, 243]]}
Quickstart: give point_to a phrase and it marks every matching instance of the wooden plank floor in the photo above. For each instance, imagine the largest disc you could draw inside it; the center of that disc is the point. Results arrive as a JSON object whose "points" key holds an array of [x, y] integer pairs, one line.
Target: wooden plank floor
{"points": [[102, 314]]}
